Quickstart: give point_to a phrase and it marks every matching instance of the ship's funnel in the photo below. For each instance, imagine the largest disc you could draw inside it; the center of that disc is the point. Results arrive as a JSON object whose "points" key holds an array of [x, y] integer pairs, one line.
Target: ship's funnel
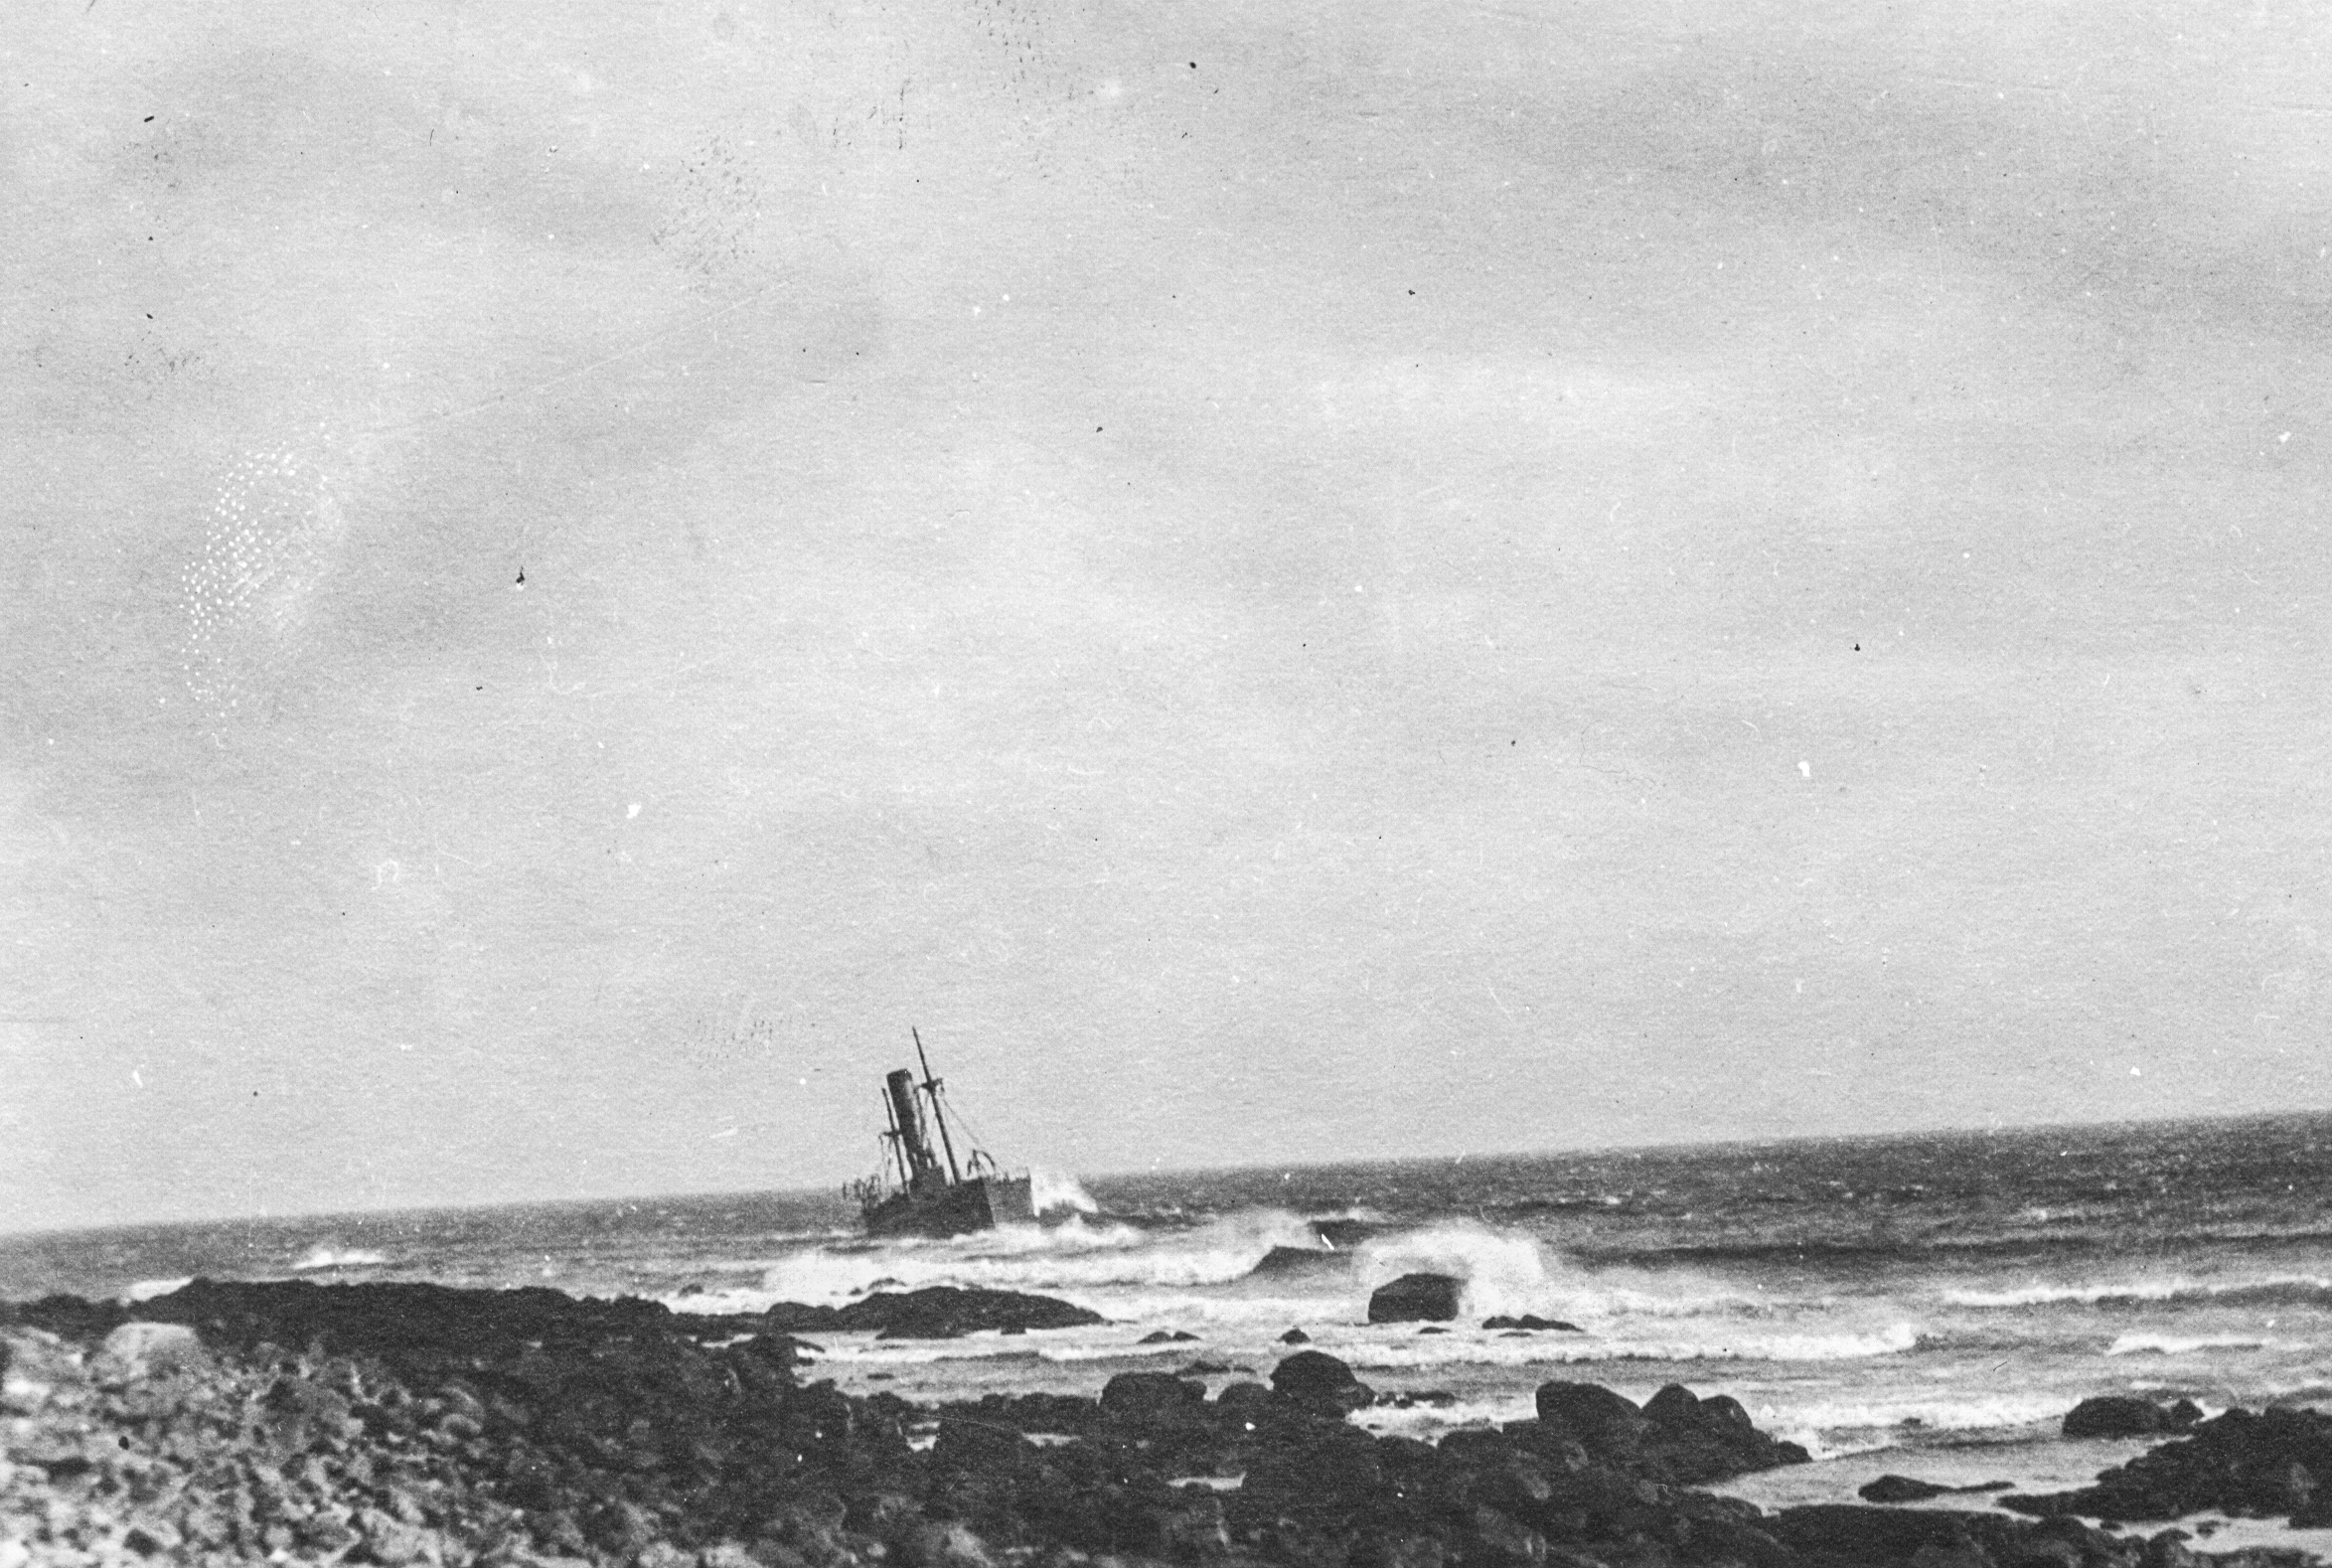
{"points": [[909, 1118]]}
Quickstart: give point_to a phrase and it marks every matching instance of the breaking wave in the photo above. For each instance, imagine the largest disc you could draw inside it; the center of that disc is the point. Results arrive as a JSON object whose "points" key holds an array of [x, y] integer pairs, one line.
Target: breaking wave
{"points": [[2183, 1345], [324, 1257], [2290, 1290], [1059, 1192], [147, 1289]]}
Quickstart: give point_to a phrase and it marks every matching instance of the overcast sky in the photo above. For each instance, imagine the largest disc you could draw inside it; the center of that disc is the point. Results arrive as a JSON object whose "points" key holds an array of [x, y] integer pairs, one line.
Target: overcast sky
{"points": [[1288, 582]]}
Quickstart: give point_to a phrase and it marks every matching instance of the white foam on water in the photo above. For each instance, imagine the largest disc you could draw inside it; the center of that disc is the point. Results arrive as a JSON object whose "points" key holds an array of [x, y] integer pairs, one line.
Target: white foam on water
{"points": [[1059, 1192], [1079, 1256], [1830, 1429], [2183, 1343], [327, 1257], [1428, 1422], [1572, 1350], [2299, 1288], [1503, 1271], [147, 1289]]}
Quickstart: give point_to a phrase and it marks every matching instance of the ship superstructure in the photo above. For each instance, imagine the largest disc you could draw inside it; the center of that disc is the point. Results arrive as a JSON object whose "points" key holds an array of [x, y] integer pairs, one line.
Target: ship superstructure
{"points": [[924, 1190]]}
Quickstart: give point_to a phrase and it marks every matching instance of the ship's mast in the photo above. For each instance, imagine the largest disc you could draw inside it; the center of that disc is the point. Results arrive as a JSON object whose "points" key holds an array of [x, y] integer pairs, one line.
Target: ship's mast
{"points": [[931, 1089]]}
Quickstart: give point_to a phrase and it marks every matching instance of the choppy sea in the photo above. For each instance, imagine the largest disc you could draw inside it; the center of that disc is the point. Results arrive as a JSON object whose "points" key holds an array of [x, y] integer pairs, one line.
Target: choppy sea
{"points": [[1930, 1305]]}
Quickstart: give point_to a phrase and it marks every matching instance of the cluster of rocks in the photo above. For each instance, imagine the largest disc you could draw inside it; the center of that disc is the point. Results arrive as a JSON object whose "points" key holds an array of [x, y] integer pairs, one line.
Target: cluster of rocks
{"points": [[416, 1424], [2269, 1464]]}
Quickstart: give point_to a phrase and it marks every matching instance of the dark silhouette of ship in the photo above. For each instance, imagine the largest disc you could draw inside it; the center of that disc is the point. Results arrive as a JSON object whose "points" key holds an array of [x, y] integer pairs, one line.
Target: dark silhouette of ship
{"points": [[922, 1191]]}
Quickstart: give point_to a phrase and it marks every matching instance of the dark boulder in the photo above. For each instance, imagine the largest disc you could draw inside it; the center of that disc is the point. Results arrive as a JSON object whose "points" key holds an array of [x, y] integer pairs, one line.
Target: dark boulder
{"points": [[1529, 1324], [1242, 1399], [1320, 1381], [1899, 1489], [1295, 1337], [1417, 1298], [1592, 1413], [1166, 1336], [1144, 1397], [2124, 1415]]}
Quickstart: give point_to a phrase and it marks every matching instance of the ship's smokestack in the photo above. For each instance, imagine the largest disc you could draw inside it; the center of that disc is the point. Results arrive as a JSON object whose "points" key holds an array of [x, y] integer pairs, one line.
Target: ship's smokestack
{"points": [[909, 1117]]}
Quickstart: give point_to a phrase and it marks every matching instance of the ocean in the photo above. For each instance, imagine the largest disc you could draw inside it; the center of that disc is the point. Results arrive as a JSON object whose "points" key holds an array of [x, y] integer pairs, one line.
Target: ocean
{"points": [[1929, 1304]]}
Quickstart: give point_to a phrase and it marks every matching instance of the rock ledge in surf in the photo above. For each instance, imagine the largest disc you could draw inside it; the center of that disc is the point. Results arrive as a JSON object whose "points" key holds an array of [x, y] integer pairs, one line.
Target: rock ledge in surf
{"points": [[2271, 1464], [1909, 1489], [2126, 1415], [938, 1311], [1294, 1262]]}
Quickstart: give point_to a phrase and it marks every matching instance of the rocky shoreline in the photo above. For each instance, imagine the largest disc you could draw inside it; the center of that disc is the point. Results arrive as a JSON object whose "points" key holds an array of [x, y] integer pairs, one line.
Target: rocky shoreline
{"points": [[397, 1424]]}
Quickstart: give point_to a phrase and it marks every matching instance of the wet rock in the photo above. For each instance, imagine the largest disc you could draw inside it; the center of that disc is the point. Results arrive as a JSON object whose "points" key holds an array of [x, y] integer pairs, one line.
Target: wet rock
{"points": [[1282, 1263], [1316, 1380], [2263, 1464], [1531, 1324], [980, 1447], [1599, 1418], [2126, 1415], [1695, 1441], [1195, 1526], [1417, 1298], [1237, 1397], [932, 1544], [1499, 1538], [1142, 1396], [1295, 1337], [1319, 1478], [939, 1312], [1166, 1336], [1846, 1534], [1899, 1489]]}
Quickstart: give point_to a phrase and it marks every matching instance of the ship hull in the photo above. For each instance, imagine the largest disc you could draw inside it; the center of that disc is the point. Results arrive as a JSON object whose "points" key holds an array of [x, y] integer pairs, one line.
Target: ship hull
{"points": [[982, 1204]]}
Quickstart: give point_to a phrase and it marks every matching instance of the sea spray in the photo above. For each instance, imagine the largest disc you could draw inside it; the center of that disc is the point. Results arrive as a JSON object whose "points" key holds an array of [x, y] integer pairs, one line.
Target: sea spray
{"points": [[1503, 1271], [1059, 1192], [1077, 1256]]}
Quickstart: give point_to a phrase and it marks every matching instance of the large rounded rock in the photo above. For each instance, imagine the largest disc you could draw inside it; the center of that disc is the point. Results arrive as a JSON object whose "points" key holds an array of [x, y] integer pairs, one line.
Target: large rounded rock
{"points": [[1417, 1298], [2122, 1415], [1590, 1412], [1145, 1396], [1320, 1381]]}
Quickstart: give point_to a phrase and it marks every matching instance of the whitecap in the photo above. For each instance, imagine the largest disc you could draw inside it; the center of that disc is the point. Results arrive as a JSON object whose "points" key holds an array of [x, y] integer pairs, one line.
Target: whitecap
{"points": [[2183, 1343], [147, 1289], [328, 1257]]}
